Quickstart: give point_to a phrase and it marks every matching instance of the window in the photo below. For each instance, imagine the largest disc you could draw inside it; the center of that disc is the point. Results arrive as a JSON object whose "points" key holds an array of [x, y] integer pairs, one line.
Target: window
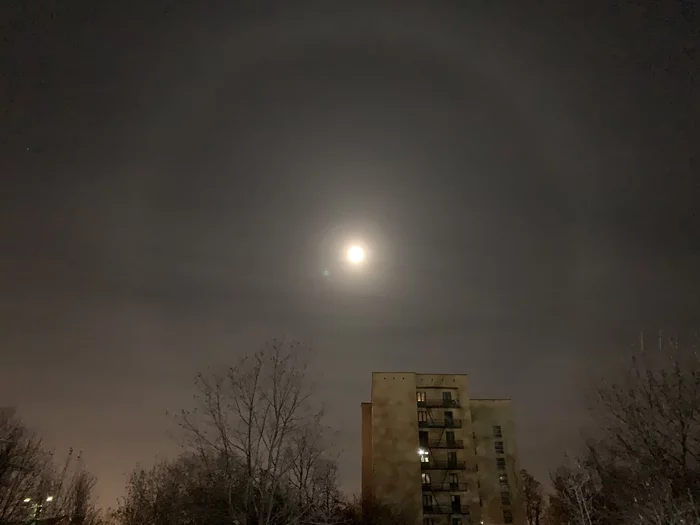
{"points": [[427, 502], [447, 398], [425, 478], [449, 419], [507, 516], [503, 480], [451, 459], [423, 439], [501, 463], [456, 503], [498, 445], [420, 397], [450, 438], [456, 521], [427, 521], [425, 458], [505, 498], [422, 416], [454, 481], [497, 431]]}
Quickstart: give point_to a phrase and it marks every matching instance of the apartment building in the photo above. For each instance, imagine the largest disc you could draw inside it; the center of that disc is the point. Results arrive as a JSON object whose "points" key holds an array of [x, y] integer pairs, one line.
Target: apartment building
{"points": [[439, 456]]}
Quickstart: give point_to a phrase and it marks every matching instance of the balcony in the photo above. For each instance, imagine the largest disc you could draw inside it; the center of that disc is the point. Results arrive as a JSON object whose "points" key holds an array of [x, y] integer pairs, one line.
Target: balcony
{"points": [[446, 509], [439, 403], [444, 465], [445, 487], [455, 443], [441, 423]]}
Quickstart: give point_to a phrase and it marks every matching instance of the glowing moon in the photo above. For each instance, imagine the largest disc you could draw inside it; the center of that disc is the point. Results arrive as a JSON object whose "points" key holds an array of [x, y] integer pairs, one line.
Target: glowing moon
{"points": [[356, 254]]}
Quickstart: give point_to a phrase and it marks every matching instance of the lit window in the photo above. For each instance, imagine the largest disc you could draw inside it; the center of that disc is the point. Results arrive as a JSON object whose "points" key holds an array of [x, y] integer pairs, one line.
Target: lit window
{"points": [[420, 397], [422, 416], [501, 463], [498, 445], [425, 478], [503, 480], [425, 458], [497, 432], [507, 516], [505, 498]]}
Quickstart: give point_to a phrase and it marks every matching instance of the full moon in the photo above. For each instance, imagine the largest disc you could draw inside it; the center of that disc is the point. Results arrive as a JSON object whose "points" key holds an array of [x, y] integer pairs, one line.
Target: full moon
{"points": [[356, 254]]}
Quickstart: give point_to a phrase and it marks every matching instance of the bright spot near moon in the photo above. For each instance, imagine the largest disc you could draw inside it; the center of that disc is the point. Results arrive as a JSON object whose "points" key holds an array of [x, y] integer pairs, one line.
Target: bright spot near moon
{"points": [[356, 254]]}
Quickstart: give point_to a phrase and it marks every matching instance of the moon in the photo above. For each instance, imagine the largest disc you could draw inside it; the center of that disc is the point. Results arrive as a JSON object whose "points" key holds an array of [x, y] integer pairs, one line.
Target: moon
{"points": [[356, 254]]}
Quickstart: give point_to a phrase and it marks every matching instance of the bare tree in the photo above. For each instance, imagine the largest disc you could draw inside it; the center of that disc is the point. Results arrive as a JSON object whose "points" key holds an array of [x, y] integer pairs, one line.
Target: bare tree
{"points": [[23, 466], [576, 490], [258, 423], [650, 423], [533, 496], [32, 487], [75, 493]]}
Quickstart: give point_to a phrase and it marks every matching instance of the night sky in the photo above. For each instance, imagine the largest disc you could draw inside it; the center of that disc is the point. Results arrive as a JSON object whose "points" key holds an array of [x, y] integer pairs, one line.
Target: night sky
{"points": [[175, 177]]}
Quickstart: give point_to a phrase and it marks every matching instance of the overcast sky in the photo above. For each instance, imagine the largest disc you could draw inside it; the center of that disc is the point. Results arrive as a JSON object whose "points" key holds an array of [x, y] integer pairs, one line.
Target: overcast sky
{"points": [[175, 177]]}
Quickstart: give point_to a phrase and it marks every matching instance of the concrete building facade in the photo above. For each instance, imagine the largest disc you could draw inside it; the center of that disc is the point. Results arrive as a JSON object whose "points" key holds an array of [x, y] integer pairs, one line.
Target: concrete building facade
{"points": [[439, 456]]}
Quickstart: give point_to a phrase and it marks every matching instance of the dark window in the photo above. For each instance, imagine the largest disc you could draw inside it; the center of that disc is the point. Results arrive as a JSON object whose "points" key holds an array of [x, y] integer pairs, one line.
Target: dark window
{"points": [[425, 478], [447, 397], [503, 480], [456, 503], [507, 516], [497, 431], [498, 445], [423, 438], [422, 415], [420, 397], [449, 419], [505, 499], [451, 459], [427, 502], [450, 438], [456, 521], [427, 521], [501, 463]]}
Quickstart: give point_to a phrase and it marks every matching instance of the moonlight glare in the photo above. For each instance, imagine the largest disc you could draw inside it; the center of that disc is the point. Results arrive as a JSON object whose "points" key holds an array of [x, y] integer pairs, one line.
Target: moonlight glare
{"points": [[356, 254]]}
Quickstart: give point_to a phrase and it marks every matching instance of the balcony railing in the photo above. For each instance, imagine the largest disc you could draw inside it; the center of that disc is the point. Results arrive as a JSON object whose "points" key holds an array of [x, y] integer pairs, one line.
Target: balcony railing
{"points": [[445, 487], [439, 403], [446, 509], [443, 443], [444, 465], [441, 423]]}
